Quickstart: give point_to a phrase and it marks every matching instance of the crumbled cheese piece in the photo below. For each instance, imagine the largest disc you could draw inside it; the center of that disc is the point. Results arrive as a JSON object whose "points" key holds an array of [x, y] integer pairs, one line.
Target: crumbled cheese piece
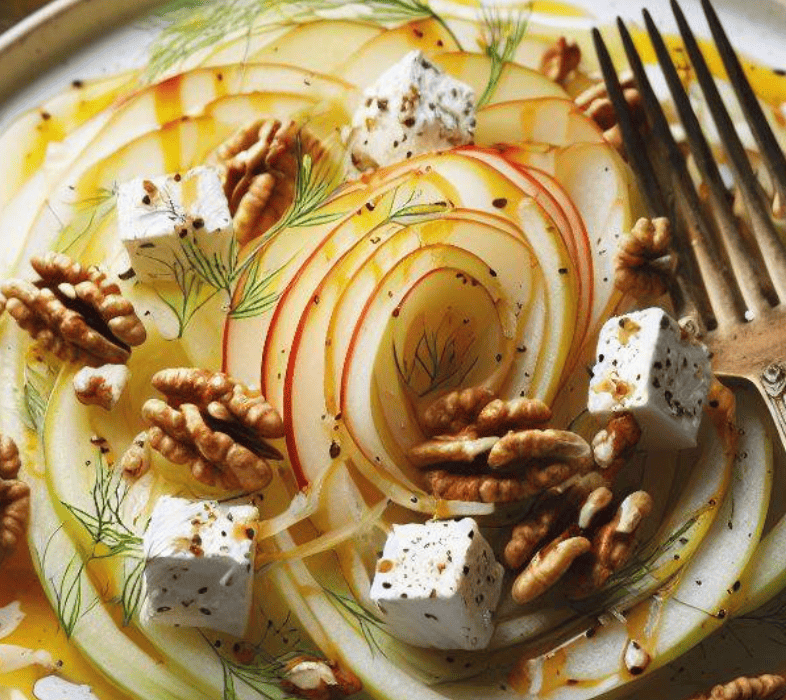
{"points": [[167, 221], [14, 657], [412, 108], [55, 688], [438, 584], [10, 617], [647, 365], [102, 386], [199, 567]]}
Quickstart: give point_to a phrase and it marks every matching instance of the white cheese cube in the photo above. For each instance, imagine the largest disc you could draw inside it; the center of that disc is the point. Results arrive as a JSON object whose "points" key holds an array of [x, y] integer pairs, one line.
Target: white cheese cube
{"points": [[199, 566], [438, 585], [646, 365], [412, 108], [167, 221]]}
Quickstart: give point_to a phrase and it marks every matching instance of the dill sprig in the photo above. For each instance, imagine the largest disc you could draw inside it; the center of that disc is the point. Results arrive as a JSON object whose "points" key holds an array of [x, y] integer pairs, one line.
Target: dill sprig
{"points": [[90, 213], [636, 578], [314, 182], [69, 603], [214, 270], [39, 380], [502, 36], [105, 524], [257, 293], [195, 25], [107, 529], [369, 625], [191, 293], [263, 675], [441, 356]]}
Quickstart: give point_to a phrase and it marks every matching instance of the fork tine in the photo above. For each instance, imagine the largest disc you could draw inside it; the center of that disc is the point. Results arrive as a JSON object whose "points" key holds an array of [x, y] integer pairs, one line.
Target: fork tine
{"points": [[742, 263], [700, 238], [771, 248], [685, 299], [768, 145], [634, 143]]}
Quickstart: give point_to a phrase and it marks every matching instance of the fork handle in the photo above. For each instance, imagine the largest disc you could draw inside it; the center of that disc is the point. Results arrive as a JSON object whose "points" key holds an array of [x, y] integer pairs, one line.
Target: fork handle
{"points": [[772, 386]]}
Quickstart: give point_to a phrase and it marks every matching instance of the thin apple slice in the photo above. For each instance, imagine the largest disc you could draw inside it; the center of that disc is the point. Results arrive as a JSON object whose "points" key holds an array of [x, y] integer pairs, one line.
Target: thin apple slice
{"points": [[320, 46], [237, 47], [686, 610], [187, 94], [541, 122], [597, 181], [599, 184], [374, 57], [514, 83], [24, 143], [555, 202]]}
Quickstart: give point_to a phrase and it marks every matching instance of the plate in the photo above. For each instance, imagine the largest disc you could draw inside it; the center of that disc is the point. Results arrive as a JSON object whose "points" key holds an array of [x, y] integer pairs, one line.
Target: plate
{"points": [[66, 43]]}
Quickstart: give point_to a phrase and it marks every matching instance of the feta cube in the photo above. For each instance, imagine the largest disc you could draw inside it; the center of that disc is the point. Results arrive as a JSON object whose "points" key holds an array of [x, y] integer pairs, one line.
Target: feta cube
{"points": [[199, 566], [165, 221], [647, 366], [438, 584], [412, 108]]}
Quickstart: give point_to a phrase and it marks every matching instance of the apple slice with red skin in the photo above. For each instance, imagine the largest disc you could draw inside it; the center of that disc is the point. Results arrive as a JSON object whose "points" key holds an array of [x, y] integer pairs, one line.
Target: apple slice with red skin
{"points": [[597, 181], [366, 222], [353, 279], [549, 195]]}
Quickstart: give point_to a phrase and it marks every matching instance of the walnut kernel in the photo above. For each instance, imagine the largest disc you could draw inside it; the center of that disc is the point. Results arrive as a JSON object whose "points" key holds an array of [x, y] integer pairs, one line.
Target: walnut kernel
{"points": [[74, 312], [213, 424], [260, 165], [560, 60], [643, 265], [14, 498]]}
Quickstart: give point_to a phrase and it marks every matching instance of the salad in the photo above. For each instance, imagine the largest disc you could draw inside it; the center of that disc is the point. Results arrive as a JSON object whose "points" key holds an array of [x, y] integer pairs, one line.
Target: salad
{"points": [[351, 313]]}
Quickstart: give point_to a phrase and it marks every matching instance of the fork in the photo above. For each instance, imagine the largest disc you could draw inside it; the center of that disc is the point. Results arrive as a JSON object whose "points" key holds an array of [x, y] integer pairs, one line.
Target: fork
{"points": [[731, 277]]}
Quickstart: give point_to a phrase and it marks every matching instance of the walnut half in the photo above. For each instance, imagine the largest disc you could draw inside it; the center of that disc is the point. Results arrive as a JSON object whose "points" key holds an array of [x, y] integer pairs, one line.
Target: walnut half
{"points": [[215, 425], [644, 264], [74, 312], [14, 498], [495, 451], [259, 164]]}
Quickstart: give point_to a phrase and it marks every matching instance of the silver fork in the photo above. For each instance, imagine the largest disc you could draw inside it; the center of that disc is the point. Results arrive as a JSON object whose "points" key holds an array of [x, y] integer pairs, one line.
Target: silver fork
{"points": [[731, 278]]}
